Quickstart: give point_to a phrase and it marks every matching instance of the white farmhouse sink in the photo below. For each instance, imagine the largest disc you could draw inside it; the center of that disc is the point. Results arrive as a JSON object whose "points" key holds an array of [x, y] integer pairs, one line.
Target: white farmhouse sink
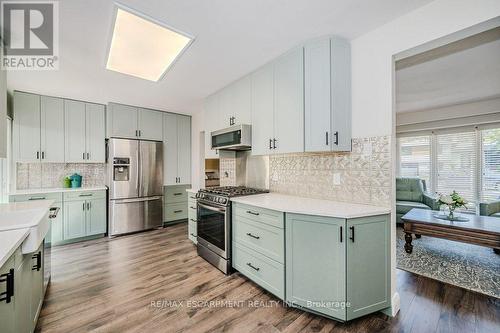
{"points": [[27, 215]]}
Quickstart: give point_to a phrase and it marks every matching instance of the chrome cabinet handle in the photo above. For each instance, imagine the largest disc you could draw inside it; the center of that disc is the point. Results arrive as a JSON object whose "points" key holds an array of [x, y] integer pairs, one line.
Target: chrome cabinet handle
{"points": [[253, 213], [37, 198], [253, 236], [252, 266]]}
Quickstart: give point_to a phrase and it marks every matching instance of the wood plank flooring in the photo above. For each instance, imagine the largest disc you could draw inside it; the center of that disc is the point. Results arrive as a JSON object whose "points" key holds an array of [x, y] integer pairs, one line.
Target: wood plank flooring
{"points": [[129, 284]]}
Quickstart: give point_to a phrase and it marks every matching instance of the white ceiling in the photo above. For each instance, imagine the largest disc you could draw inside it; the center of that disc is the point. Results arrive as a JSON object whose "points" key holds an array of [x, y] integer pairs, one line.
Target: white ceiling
{"points": [[233, 37], [469, 75]]}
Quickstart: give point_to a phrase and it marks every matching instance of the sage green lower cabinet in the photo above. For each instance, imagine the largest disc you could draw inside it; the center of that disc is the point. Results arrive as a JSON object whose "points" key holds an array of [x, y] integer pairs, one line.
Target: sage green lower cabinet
{"points": [[56, 225], [21, 313], [337, 267], [84, 214], [175, 199], [368, 265], [315, 264]]}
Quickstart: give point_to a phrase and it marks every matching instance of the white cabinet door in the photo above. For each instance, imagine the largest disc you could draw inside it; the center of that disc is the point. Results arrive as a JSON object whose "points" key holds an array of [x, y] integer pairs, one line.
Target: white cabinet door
{"points": [[317, 110], [184, 149], [169, 149], [242, 100], [341, 94], [150, 124], [226, 108], [122, 121], [95, 133], [26, 129], [52, 129], [262, 110], [289, 102], [74, 131], [211, 122]]}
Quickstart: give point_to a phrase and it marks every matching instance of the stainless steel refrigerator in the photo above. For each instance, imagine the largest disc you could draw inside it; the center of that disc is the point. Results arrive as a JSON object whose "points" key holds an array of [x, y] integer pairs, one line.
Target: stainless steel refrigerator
{"points": [[135, 180]]}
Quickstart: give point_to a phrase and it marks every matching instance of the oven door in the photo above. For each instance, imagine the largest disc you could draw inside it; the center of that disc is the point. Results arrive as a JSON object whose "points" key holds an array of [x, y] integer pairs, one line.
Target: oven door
{"points": [[213, 228]]}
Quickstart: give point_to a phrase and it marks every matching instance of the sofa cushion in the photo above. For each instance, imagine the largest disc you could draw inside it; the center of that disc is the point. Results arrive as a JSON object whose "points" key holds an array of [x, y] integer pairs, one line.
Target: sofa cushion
{"points": [[409, 189], [403, 207], [495, 215]]}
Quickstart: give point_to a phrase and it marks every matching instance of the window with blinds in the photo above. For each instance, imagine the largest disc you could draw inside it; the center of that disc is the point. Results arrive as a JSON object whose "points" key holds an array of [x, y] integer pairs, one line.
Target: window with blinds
{"points": [[415, 158], [490, 164], [456, 164]]}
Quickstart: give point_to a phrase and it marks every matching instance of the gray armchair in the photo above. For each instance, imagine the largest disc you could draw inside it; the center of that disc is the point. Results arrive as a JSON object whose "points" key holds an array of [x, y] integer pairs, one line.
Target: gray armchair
{"points": [[411, 193], [490, 209]]}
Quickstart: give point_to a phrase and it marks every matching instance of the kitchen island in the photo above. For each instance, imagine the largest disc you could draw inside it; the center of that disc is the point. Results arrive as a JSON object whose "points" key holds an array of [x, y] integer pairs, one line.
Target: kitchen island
{"points": [[326, 257]]}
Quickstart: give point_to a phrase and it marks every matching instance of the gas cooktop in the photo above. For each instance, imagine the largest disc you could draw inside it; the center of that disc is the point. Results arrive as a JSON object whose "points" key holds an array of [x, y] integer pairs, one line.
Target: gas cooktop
{"points": [[233, 191]]}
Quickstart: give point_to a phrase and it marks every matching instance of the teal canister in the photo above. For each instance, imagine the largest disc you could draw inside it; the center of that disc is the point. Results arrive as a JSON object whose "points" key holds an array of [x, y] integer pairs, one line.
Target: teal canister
{"points": [[76, 180]]}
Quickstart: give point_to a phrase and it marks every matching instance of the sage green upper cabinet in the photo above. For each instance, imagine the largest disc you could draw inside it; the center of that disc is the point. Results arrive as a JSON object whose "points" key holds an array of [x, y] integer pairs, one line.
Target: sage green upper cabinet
{"points": [[177, 149], [315, 263], [169, 149], [84, 132], [211, 123], [235, 103], [130, 122], [184, 149], [150, 124], [317, 96], [38, 131], [95, 118], [74, 112], [122, 121], [262, 110], [289, 102], [52, 129], [327, 82], [368, 265], [26, 127]]}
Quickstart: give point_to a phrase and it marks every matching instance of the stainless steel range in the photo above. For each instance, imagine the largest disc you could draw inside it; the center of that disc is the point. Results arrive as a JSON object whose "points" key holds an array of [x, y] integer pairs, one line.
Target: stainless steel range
{"points": [[214, 223]]}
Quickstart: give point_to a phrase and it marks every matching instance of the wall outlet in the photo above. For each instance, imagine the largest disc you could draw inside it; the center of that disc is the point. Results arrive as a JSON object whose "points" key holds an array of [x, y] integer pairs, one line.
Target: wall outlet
{"points": [[336, 178]]}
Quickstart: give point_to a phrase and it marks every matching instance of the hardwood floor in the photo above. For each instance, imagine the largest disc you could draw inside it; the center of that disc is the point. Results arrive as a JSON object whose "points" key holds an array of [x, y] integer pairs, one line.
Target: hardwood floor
{"points": [[124, 285]]}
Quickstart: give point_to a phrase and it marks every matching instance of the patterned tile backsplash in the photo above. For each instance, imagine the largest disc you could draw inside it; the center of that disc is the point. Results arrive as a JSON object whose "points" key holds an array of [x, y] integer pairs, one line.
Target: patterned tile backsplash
{"points": [[50, 175], [360, 176]]}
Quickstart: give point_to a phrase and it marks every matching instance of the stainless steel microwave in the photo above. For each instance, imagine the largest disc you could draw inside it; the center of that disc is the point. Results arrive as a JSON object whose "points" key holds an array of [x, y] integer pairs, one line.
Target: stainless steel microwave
{"points": [[237, 137]]}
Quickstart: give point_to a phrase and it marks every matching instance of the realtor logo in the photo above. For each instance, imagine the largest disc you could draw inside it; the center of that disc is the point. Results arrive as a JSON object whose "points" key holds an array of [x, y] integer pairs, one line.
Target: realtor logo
{"points": [[30, 35]]}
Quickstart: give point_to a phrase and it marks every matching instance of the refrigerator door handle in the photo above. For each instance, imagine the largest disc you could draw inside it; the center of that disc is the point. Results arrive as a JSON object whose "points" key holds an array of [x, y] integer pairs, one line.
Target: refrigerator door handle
{"points": [[124, 201], [137, 169]]}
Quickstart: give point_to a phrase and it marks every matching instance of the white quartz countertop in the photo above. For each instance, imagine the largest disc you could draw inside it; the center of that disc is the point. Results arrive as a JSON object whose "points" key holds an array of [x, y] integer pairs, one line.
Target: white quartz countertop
{"points": [[57, 190], [9, 241], [308, 206], [18, 215]]}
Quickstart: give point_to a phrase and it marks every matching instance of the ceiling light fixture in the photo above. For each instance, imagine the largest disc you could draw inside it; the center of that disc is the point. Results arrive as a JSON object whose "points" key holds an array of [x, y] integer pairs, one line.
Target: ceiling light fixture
{"points": [[143, 47]]}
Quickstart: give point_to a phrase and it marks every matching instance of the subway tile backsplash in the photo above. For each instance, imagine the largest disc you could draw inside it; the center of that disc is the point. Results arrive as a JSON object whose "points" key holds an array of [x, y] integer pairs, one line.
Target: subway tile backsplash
{"points": [[364, 174], [51, 175]]}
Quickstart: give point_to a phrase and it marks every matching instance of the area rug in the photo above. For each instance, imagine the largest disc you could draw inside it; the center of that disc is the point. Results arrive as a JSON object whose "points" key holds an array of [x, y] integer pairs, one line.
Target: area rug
{"points": [[464, 265]]}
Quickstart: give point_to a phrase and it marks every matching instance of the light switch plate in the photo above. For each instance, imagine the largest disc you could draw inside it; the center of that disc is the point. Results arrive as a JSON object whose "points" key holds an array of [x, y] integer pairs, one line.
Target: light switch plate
{"points": [[336, 178]]}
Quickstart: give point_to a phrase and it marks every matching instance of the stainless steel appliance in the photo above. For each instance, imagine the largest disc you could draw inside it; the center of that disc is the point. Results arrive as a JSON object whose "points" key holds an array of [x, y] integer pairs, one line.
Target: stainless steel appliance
{"points": [[214, 223], [135, 180], [237, 137]]}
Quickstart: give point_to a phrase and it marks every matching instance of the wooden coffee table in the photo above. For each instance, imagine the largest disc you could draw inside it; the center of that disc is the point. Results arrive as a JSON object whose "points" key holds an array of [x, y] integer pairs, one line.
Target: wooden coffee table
{"points": [[478, 230]]}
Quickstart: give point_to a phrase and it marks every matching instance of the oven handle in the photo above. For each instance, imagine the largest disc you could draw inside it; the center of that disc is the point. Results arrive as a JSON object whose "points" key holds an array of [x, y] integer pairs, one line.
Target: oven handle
{"points": [[212, 208]]}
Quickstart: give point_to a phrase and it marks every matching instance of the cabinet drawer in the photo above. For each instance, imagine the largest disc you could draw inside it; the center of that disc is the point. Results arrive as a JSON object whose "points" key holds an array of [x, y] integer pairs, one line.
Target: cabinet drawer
{"points": [[192, 215], [84, 195], [271, 217], [36, 196], [175, 194], [263, 238], [192, 228], [266, 272], [176, 211]]}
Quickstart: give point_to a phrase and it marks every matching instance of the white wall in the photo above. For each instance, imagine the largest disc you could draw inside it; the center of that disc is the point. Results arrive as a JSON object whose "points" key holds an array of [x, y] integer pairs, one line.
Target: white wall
{"points": [[3, 113], [372, 67]]}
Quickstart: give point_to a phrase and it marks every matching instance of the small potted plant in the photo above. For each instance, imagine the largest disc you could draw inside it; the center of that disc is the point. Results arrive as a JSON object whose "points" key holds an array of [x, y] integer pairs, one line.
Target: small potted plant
{"points": [[453, 201]]}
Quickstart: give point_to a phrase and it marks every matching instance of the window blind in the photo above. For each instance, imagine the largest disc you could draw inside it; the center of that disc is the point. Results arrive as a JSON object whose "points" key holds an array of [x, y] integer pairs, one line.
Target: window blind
{"points": [[490, 164], [415, 158], [457, 164]]}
